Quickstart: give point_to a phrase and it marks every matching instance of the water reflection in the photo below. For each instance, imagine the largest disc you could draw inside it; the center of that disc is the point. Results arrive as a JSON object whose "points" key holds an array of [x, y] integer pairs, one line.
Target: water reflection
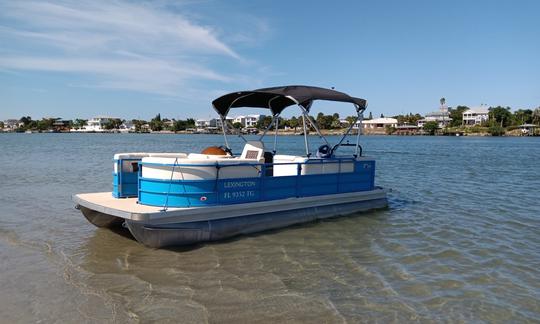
{"points": [[276, 275]]}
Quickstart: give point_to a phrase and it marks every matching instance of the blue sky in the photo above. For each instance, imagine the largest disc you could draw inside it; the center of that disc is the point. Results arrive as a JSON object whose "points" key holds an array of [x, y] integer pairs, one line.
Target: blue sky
{"points": [[134, 59]]}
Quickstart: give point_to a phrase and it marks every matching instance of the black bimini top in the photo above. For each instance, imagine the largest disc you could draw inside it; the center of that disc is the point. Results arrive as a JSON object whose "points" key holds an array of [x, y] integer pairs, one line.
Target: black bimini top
{"points": [[278, 98]]}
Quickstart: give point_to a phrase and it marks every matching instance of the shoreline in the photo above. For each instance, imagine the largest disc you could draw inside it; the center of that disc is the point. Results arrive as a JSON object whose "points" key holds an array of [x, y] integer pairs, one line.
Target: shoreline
{"points": [[286, 133]]}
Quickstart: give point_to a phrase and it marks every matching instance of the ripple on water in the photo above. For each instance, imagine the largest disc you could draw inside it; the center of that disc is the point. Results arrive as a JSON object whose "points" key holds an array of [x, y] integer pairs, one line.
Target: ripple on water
{"points": [[459, 242]]}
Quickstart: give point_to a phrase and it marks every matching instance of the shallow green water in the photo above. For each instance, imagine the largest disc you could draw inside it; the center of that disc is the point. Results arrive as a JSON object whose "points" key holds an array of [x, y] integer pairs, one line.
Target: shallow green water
{"points": [[459, 242]]}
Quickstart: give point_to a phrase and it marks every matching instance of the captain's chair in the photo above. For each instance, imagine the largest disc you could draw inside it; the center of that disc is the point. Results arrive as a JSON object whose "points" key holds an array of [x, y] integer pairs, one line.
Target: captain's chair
{"points": [[253, 150]]}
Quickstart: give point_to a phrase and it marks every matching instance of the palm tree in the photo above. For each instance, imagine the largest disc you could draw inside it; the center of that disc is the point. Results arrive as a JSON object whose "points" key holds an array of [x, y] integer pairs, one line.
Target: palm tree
{"points": [[536, 116], [443, 101], [294, 122]]}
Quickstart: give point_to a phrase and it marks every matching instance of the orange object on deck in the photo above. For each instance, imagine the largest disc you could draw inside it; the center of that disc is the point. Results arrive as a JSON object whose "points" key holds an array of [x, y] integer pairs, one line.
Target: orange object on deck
{"points": [[214, 150]]}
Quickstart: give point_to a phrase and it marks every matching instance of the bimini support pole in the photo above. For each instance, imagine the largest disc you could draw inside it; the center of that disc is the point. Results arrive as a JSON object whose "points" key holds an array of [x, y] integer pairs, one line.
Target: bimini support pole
{"points": [[224, 127], [276, 133], [305, 134], [360, 114], [237, 131], [224, 120], [267, 128], [314, 124]]}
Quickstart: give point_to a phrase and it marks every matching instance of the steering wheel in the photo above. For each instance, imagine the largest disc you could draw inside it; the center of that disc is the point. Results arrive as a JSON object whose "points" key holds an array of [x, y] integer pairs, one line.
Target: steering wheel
{"points": [[324, 151], [359, 150], [226, 149]]}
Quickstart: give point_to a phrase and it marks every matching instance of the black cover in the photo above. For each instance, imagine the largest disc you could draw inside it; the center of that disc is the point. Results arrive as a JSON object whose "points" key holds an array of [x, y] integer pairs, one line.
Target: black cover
{"points": [[278, 98]]}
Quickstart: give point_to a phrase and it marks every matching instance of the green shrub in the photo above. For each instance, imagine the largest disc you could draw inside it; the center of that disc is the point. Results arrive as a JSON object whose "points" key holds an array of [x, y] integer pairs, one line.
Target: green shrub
{"points": [[431, 127], [496, 130], [390, 129]]}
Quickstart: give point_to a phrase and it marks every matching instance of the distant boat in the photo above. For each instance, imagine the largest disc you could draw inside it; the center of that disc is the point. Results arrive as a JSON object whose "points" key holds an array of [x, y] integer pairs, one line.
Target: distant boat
{"points": [[167, 199]]}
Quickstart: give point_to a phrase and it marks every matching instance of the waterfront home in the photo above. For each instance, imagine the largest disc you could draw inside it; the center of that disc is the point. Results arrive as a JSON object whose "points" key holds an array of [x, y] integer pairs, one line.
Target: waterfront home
{"points": [[406, 129], [201, 126], [248, 121], [476, 115], [202, 123], [378, 125], [12, 124], [97, 124], [216, 122], [441, 117], [127, 126], [205, 126], [168, 123], [60, 125]]}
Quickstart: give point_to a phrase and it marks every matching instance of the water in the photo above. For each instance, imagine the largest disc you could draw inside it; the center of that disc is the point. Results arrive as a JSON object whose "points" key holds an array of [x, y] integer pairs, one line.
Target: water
{"points": [[459, 242]]}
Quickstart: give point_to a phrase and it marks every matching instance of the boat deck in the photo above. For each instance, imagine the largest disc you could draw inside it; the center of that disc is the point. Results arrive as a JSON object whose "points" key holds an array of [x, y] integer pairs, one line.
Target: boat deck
{"points": [[104, 202], [128, 208]]}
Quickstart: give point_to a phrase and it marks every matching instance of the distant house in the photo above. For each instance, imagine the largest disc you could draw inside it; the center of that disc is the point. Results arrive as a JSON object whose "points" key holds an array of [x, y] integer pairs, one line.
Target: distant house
{"points": [[60, 125], [441, 117], [379, 123], [12, 124], [476, 116], [168, 123], [202, 123], [216, 122], [406, 129], [127, 126], [249, 120], [97, 124]]}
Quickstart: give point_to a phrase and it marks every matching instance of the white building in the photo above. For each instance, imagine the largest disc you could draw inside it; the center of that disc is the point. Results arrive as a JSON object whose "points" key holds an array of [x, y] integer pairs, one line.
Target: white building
{"points": [[476, 115], [12, 124], [97, 124], [379, 123], [216, 122], [202, 123], [441, 117], [249, 120], [211, 123], [127, 126]]}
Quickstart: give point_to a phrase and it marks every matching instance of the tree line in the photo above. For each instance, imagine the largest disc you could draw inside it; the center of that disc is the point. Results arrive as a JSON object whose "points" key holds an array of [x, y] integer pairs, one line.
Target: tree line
{"points": [[155, 124], [499, 119]]}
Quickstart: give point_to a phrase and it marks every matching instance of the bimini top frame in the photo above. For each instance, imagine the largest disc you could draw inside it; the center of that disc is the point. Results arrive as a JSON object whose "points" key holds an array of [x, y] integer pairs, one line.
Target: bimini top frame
{"points": [[278, 98]]}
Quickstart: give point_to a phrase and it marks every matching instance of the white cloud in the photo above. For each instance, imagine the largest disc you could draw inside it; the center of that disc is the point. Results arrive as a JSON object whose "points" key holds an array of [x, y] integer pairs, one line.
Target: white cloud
{"points": [[117, 44]]}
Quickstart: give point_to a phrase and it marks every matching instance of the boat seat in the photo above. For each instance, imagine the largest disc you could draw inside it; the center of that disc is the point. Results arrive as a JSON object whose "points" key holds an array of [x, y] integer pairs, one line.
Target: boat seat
{"points": [[253, 150], [128, 162], [196, 169], [286, 165]]}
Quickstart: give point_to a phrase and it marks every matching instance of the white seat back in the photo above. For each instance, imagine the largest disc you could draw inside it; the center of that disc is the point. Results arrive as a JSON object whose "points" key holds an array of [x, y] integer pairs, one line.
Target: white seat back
{"points": [[253, 150]]}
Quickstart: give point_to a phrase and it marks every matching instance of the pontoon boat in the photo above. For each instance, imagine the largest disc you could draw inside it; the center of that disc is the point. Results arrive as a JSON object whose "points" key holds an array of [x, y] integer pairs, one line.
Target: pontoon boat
{"points": [[167, 199]]}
